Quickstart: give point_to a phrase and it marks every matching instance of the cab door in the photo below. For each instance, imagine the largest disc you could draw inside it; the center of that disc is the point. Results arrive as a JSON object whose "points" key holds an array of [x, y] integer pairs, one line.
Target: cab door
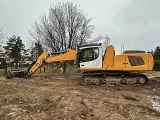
{"points": [[91, 58]]}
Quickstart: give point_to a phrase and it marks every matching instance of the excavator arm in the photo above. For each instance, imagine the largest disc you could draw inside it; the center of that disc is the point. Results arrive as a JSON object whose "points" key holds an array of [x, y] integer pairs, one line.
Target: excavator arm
{"points": [[46, 58], [37, 64]]}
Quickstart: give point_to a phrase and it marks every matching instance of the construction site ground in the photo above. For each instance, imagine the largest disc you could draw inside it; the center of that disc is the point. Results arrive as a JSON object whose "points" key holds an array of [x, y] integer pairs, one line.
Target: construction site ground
{"points": [[61, 97]]}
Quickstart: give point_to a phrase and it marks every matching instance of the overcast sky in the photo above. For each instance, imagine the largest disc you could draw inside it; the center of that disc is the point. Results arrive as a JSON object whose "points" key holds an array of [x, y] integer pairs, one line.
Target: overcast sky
{"points": [[132, 23]]}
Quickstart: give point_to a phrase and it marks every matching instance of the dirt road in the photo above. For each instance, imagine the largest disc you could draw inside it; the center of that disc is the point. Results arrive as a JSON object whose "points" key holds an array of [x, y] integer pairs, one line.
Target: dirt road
{"points": [[63, 98]]}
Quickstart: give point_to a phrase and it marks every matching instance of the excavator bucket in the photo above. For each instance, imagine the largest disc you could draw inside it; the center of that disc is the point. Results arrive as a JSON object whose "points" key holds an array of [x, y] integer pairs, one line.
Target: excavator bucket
{"points": [[16, 73]]}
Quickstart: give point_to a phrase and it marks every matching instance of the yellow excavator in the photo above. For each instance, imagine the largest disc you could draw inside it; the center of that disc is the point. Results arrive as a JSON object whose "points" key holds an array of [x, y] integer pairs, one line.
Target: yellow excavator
{"points": [[97, 66]]}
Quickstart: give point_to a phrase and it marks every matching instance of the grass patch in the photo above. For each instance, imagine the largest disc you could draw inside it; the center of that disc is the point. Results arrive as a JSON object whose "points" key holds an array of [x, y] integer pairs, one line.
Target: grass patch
{"points": [[1, 72], [40, 72], [47, 72], [51, 71]]}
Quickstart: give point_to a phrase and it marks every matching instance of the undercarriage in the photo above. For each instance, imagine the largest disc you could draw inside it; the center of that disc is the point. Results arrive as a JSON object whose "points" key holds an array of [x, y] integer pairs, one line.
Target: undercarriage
{"points": [[113, 77]]}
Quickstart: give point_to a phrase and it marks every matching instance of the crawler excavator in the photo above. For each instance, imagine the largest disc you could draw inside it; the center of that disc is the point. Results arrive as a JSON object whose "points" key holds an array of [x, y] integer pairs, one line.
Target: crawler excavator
{"points": [[96, 66]]}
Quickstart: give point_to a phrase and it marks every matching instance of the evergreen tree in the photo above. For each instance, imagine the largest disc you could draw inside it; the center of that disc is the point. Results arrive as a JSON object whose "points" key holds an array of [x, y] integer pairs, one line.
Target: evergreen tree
{"points": [[156, 53], [36, 50], [14, 47]]}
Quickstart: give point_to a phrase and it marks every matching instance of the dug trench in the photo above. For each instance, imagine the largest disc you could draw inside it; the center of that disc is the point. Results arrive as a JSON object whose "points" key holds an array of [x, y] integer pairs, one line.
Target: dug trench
{"points": [[62, 97]]}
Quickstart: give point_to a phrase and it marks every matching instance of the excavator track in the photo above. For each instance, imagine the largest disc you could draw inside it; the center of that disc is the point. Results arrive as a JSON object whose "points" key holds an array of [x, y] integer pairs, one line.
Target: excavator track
{"points": [[113, 77]]}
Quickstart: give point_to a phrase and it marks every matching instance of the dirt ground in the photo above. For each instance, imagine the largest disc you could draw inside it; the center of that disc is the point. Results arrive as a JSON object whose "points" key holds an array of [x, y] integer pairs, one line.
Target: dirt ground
{"points": [[63, 98]]}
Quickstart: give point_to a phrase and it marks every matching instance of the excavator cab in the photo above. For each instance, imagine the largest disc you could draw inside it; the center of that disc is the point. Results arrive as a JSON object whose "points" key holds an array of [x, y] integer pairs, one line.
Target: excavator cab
{"points": [[89, 56]]}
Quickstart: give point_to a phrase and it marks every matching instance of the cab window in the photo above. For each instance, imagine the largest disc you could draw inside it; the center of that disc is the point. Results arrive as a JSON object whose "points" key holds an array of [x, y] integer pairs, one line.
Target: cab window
{"points": [[89, 54]]}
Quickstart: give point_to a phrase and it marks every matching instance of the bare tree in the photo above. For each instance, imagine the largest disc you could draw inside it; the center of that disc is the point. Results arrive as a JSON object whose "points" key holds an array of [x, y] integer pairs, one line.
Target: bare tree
{"points": [[2, 36], [97, 39], [100, 38], [64, 27]]}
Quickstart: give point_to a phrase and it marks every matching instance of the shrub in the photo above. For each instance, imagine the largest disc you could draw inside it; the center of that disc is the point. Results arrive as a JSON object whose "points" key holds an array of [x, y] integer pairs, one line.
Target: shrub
{"points": [[157, 65]]}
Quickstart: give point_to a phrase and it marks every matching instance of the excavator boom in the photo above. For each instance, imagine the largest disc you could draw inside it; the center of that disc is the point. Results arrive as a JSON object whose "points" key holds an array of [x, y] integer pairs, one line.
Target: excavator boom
{"points": [[69, 55], [46, 58]]}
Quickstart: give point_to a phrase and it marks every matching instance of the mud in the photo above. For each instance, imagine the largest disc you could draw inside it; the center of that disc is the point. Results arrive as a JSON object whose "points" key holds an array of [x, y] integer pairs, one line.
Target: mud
{"points": [[63, 98]]}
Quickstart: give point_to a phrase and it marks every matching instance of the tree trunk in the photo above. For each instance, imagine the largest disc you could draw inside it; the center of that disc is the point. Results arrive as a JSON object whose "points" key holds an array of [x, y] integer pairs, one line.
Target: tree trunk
{"points": [[64, 67]]}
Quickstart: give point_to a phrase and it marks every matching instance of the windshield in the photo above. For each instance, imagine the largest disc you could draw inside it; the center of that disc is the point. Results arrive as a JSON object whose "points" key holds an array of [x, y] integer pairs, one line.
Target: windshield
{"points": [[89, 54]]}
